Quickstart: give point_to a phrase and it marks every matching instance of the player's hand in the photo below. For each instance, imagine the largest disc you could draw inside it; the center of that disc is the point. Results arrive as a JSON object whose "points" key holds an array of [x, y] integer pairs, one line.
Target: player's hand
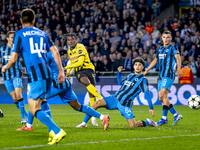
{"points": [[120, 69], [3, 70], [152, 112], [179, 73], [61, 77], [144, 73], [68, 75]]}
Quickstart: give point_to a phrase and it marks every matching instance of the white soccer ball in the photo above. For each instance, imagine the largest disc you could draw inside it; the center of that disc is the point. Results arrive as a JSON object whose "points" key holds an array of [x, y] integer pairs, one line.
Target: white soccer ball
{"points": [[194, 102]]}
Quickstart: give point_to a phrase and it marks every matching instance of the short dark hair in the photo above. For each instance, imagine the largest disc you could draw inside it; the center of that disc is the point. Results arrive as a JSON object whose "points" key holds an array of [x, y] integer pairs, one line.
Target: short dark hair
{"points": [[167, 32], [10, 32], [138, 59], [72, 35], [27, 15]]}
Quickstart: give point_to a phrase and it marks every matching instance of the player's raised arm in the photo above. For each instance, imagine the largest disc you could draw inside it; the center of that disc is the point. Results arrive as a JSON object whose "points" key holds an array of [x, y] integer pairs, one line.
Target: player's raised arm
{"points": [[119, 75], [153, 63], [145, 89], [56, 55]]}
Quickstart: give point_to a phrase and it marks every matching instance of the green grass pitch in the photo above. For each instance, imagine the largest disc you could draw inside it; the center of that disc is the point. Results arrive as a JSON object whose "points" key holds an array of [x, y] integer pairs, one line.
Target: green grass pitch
{"points": [[185, 135]]}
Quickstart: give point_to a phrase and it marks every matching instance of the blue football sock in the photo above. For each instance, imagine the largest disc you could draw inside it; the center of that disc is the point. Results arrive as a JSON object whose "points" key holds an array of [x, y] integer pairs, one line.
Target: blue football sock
{"points": [[89, 111], [86, 118], [45, 107], [147, 123], [172, 110], [30, 118], [17, 105], [46, 120], [165, 111], [21, 107]]}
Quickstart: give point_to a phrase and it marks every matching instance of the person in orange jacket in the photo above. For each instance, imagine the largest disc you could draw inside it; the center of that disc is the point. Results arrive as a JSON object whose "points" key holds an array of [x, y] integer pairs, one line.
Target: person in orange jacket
{"points": [[187, 75]]}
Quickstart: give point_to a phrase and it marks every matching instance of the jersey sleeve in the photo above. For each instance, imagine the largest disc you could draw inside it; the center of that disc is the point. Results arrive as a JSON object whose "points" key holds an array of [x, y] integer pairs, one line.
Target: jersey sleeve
{"points": [[82, 51], [175, 50], [144, 85], [49, 43], [17, 47]]}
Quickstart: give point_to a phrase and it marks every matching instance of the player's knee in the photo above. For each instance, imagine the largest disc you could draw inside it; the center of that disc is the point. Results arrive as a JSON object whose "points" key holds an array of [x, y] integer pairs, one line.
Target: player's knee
{"points": [[79, 108], [18, 96]]}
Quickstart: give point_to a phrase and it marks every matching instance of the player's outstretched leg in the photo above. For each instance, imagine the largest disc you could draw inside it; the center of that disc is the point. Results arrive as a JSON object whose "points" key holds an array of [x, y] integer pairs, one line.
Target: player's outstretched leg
{"points": [[90, 112], [93, 120], [177, 116], [164, 120]]}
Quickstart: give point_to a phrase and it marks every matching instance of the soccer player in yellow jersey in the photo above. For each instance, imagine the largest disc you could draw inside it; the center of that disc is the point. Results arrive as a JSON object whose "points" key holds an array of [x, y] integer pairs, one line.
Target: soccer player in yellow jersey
{"points": [[83, 68]]}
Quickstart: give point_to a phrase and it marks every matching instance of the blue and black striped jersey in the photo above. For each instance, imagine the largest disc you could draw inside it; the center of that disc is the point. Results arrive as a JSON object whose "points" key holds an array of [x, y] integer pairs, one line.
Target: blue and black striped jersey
{"points": [[132, 86], [55, 71], [166, 61], [33, 44], [16, 70]]}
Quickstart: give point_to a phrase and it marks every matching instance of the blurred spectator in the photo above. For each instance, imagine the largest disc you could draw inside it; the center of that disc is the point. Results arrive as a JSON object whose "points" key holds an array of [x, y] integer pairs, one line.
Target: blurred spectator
{"points": [[192, 51], [145, 37], [187, 75], [192, 65], [105, 66], [128, 66], [115, 39], [118, 62], [148, 62], [156, 8], [97, 63], [183, 31], [155, 33], [149, 27], [2, 43], [198, 66]]}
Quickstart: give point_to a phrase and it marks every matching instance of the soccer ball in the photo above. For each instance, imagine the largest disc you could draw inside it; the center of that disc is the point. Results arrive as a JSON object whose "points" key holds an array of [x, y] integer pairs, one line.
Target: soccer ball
{"points": [[194, 102]]}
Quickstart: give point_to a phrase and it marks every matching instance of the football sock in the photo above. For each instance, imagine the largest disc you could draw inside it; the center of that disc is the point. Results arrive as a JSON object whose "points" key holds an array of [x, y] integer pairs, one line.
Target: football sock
{"points": [[17, 105], [86, 118], [165, 111], [45, 107], [21, 107], [30, 120], [46, 120], [93, 91], [145, 123], [89, 111], [92, 100], [172, 110]]}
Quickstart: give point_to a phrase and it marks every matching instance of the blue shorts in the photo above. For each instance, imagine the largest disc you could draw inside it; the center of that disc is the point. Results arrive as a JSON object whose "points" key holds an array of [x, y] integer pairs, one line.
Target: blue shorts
{"points": [[67, 95], [113, 103], [13, 83], [165, 83], [38, 89]]}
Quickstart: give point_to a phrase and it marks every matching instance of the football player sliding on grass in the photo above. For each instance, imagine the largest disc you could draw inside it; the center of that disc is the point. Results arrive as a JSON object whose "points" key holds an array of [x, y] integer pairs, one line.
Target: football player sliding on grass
{"points": [[131, 87]]}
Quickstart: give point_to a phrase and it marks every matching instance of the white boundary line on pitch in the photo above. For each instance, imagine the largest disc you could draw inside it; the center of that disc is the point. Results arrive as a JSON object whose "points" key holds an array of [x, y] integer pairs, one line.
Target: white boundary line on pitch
{"points": [[106, 141]]}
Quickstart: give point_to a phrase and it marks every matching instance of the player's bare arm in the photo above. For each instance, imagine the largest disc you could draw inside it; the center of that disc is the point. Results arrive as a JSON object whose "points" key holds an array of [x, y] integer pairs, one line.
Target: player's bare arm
{"points": [[11, 62], [178, 61], [61, 76], [153, 63]]}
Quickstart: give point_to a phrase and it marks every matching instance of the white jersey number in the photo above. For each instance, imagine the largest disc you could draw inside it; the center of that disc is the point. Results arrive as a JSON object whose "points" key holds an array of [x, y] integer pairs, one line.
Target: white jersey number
{"points": [[36, 50]]}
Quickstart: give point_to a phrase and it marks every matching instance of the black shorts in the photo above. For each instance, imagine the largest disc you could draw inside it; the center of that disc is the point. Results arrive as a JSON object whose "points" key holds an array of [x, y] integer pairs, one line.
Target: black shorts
{"points": [[89, 73]]}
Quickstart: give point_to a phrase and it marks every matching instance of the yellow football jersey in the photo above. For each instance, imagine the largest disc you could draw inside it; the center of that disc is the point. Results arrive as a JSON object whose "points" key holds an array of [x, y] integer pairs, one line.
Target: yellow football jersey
{"points": [[74, 55]]}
